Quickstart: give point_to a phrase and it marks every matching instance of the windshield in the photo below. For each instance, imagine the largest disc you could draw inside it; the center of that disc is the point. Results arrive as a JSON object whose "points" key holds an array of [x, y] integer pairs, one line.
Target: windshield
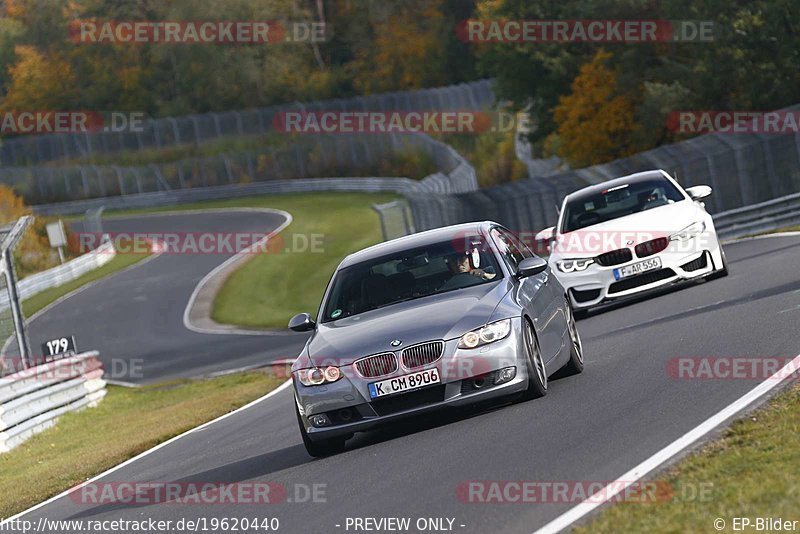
{"points": [[410, 274], [599, 206]]}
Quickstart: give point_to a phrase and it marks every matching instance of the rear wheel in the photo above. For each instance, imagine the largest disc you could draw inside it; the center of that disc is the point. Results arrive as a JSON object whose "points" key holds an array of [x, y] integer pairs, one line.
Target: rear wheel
{"points": [[537, 374], [575, 363], [320, 448]]}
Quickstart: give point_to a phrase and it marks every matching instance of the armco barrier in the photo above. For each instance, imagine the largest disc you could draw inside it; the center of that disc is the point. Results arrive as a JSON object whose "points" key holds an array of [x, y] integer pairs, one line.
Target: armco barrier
{"points": [[764, 217], [62, 274], [33, 399], [456, 176]]}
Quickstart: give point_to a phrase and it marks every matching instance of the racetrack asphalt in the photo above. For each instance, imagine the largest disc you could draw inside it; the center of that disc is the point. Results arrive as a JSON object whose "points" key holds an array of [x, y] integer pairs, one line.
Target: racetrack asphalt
{"points": [[591, 427], [135, 317]]}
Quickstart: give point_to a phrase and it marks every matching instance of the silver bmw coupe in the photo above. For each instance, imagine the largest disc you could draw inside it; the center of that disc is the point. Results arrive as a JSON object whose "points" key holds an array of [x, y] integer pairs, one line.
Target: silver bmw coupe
{"points": [[443, 318]]}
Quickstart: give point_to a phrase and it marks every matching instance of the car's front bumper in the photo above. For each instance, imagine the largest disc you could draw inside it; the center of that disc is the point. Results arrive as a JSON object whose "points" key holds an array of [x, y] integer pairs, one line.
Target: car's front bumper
{"points": [[597, 284], [457, 368]]}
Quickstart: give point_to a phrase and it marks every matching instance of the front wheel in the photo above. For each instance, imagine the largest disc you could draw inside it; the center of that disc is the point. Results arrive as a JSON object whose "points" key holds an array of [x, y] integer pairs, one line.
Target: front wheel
{"points": [[537, 374], [321, 448], [575, 363]]}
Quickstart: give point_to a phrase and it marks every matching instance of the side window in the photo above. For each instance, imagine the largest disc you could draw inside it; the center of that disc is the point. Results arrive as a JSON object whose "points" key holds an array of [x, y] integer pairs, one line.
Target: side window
{"points": [[520, 245], [508, 248]]}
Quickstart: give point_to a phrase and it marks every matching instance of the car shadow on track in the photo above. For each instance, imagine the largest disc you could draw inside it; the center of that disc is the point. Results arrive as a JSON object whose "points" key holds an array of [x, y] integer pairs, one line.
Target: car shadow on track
{"points": [[635, 299], [425, 422]]}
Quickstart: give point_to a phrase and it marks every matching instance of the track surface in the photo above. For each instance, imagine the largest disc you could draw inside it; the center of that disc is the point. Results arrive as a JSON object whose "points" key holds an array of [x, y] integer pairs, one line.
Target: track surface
{"points": [[591, 427], [135, 317]]}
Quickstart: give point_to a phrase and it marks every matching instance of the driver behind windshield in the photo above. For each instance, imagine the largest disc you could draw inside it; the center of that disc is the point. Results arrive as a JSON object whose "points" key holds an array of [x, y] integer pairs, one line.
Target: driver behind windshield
{"points": [[461, 263]]}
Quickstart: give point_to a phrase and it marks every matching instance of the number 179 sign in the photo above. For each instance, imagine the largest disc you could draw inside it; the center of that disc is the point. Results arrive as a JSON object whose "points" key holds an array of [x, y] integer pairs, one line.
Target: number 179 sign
{"points": [[58, 348]]}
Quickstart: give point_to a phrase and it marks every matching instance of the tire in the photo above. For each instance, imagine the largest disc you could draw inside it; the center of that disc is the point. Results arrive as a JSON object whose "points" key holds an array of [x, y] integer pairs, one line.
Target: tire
{"points": [[721, 273], [575, 364], [321, 448], [537, 374]]}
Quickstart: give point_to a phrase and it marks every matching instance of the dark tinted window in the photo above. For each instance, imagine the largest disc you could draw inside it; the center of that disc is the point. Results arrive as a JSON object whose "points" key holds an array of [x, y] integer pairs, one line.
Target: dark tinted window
{"points": [[597, 207], [409, 275]]}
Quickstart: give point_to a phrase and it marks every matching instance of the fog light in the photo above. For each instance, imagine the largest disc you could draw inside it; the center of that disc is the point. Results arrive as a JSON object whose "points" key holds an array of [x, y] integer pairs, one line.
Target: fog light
{"points": [[319, 420], [505, 374]]}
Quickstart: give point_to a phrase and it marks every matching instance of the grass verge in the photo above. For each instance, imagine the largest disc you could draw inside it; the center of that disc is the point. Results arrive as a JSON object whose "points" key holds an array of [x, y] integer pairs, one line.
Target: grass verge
{"points": [[779, 230], [268, 289], [752, 471], [126, 423], [38, 301]]}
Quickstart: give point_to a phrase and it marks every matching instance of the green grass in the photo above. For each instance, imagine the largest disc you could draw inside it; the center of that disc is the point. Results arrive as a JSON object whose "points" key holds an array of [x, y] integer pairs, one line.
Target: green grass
{"points": [[752, 471], [270, 288], [126, 423], [787, 229], [36, 302]]}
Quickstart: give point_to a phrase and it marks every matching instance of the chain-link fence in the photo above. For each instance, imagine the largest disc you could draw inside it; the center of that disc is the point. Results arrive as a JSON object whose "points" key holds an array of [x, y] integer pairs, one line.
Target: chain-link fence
{"points": [[14, 349], [396, 219], [308, 157], [210, 127]]}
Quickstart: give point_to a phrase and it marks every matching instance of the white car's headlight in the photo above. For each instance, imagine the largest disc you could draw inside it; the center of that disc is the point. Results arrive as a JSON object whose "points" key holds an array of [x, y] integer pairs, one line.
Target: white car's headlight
{"points": [[576, 264], [689, 232], [316, 376], [488, 334]]}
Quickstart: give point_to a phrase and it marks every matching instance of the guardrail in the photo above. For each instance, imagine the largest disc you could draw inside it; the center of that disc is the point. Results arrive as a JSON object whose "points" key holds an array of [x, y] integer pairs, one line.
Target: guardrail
{"points": [[36, 283], [763, 217], [33, 399], [87, 187], [460, 177]]}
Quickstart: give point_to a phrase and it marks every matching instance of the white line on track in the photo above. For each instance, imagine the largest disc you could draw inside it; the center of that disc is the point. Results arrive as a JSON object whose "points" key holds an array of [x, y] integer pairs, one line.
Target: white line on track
{"points": [[226, 264], [147, 453], [612, 489]]}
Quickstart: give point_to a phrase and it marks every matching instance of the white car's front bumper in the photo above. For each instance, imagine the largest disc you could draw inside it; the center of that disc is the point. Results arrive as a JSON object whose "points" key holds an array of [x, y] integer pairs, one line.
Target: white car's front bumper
{"points": [[680, 261]]}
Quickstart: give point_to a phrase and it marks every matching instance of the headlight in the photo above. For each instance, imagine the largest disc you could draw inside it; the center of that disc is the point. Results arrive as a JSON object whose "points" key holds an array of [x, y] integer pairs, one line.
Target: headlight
{"points": [[317, 375], [488, 334], [689, 232], [577, 264]]}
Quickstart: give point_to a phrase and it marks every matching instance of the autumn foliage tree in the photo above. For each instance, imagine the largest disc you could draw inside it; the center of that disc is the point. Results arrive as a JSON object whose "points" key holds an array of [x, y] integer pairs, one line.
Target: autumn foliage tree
{"points": [[596, 121], [33, 254]]}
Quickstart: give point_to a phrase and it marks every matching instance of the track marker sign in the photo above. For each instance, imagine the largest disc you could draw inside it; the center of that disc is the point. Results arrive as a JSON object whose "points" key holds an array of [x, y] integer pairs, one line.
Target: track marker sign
{"points": [[58, 348]]}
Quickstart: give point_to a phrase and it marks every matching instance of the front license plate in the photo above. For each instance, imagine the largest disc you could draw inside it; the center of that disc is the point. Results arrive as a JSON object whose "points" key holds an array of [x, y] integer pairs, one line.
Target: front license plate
{"points": [[636, 268], [404, 383]]}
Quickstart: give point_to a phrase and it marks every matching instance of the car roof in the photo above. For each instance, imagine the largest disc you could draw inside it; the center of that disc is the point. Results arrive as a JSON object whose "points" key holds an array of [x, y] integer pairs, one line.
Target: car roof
{"points": [[420, 239], [622, 180]]}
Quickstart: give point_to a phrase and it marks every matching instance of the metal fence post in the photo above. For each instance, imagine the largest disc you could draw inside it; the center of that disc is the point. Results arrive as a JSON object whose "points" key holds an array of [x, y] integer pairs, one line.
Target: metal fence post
{"points": [[7, 245]]}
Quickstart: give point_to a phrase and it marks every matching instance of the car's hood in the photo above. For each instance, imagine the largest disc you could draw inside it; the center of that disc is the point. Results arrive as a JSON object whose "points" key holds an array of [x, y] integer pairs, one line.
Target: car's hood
{"points": [[444, 316], [628, 230]]}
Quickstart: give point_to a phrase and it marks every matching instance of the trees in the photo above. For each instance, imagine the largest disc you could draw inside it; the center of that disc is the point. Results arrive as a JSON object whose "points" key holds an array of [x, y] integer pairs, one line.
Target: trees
{"points": [[752, 64], [596, 120]]}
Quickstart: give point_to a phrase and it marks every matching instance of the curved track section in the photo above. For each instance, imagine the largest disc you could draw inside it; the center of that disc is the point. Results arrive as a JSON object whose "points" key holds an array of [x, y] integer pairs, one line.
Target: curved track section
{"points": [[591, 427], [135, 317]]}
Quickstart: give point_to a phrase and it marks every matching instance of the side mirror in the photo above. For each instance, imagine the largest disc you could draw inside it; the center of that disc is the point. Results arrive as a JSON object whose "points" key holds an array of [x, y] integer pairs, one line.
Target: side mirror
{"points": [[699, 191], [531, 267], [548, 234], [302, 322]]}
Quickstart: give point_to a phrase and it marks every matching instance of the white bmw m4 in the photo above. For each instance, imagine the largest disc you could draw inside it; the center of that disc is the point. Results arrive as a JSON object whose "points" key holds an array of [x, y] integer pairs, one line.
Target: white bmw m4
{"points": [[630, 235]]}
